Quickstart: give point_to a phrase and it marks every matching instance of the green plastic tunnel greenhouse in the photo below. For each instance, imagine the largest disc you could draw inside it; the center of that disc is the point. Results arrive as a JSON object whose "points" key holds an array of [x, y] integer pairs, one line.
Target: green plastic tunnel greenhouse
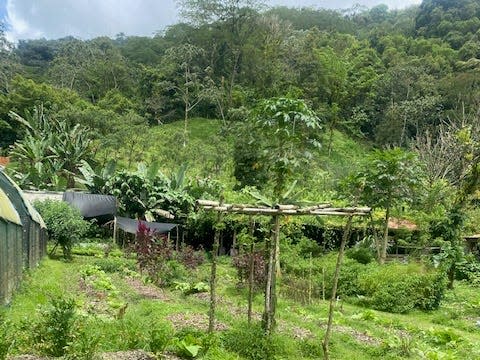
{"points": [[22, 236]]}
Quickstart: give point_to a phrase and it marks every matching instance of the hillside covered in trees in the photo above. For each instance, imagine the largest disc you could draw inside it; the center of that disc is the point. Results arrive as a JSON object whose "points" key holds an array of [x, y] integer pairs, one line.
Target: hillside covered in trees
{"points": [[294, 111], [386, 76]]}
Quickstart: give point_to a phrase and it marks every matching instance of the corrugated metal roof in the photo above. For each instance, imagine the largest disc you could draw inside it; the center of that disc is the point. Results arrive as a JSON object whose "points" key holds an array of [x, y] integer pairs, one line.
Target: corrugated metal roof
{"points": [[31, 210], [7, 211]]}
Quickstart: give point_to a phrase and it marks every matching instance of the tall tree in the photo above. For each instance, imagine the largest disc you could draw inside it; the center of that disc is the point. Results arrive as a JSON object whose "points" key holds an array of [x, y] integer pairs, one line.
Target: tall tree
{"points": [[187, 78], [233, 21]]}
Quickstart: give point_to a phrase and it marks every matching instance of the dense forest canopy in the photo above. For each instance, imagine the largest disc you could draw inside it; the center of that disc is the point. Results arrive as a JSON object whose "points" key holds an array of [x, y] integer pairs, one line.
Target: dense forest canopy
{"points": [[386, 76], [366, 70]]}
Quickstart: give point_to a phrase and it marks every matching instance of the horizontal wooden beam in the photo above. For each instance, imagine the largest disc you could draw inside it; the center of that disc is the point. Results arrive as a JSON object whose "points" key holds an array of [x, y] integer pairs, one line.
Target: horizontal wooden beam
{"points": [[316, 210]]}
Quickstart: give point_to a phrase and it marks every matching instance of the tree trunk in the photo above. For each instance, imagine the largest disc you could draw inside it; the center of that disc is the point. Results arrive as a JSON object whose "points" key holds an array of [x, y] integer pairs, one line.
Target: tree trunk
{"points": [[185, 128], [333, 298], [270, 288]]}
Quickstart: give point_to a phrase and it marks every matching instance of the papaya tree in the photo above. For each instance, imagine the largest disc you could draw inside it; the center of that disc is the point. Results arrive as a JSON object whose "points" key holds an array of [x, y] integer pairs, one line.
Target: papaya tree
{"points": [[388, 178], [284, 133]]}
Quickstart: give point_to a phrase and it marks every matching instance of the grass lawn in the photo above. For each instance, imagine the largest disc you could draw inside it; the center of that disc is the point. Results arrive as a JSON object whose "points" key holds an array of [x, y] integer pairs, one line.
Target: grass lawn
{"points": [[95, 311]]}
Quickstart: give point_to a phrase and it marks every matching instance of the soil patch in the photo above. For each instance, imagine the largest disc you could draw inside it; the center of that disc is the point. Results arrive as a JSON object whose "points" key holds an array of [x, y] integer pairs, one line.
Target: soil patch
{"points": [[198, 321], [147, 291]]}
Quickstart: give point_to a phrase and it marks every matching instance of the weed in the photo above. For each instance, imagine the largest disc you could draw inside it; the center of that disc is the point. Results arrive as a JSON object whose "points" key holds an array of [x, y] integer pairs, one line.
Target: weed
{"points": [[5, 341], [85, 342], [53, 332], [191, 288], [159, 337], [251, 343], [115, 264]]}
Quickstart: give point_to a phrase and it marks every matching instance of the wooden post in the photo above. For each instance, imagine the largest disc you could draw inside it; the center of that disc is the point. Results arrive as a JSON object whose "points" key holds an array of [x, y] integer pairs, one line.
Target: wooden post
{"points": [[177, 239], [323, 283], [233, 250], [213, 275], [250, 282], [326, 339], [310, 286], [115, 230]]}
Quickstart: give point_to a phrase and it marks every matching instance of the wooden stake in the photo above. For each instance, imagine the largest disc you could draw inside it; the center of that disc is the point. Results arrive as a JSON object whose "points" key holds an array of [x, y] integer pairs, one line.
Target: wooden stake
{"points": [[115, 230], [250, 282], [177, 239], [333, 298], [213, 276]]}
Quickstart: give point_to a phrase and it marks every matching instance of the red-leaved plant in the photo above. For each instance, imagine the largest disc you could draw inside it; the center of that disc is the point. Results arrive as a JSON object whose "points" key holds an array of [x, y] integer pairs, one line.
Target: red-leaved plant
{"points": [[157, 257]]}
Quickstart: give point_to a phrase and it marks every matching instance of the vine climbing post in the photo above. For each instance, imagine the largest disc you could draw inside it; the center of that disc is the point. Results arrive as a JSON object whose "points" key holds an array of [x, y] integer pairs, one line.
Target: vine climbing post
{"points": [[333, 298]]}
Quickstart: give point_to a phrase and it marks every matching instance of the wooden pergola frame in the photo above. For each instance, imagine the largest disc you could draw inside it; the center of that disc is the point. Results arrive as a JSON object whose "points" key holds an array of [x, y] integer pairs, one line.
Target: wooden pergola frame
{"points": [[276, 212], [315, 210]]}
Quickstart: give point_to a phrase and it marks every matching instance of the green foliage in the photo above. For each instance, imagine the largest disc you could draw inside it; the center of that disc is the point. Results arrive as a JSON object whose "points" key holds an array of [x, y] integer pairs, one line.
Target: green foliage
{"points": [[159, 337], [187, 349], [53, 332], [115, 264], [401, 288], [50, 150], [389, 177], [191, 288], [5, 338], [360, 254], [142, 193], [283, 133], [251, 343], [65, 224], [468, 269]]}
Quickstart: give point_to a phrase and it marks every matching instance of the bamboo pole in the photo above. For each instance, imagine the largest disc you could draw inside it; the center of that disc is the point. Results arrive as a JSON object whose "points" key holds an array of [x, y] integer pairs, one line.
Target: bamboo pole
{"points": [[326, 339]]}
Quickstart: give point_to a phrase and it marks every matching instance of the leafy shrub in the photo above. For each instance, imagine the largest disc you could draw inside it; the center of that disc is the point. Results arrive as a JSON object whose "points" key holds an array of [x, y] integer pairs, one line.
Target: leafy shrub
{"points": [[65, 224], [132, 334], [54, 332], [85, 343], [443, 337], [307, 247], [242, 263], [156, 256], [469, 270], [250, 342], [159, 336], [191, 288], [190, 341], [361, 255], [400, 288], [190, 257], [348, 285]]}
